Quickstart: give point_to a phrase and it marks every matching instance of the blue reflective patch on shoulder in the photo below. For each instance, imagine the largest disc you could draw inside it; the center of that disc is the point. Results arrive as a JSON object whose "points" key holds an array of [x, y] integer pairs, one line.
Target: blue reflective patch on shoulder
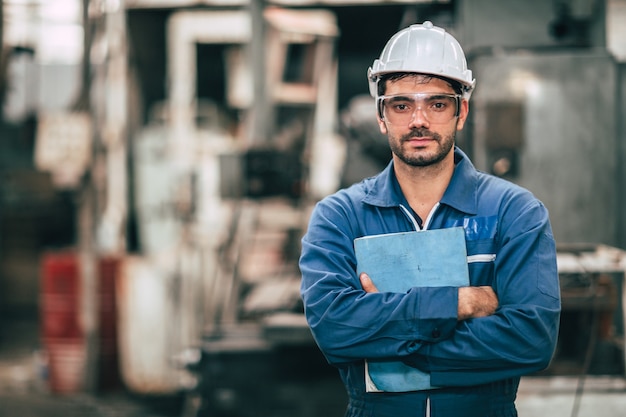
{"points": [[479, 228]]}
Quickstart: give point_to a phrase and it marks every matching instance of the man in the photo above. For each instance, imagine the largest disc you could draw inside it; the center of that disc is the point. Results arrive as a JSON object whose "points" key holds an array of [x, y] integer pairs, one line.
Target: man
{"points": [[475, 341]]}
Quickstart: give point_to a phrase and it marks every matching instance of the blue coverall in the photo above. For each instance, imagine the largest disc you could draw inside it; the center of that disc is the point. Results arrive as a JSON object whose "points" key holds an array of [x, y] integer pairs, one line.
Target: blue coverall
{"points": [[476, 362]]}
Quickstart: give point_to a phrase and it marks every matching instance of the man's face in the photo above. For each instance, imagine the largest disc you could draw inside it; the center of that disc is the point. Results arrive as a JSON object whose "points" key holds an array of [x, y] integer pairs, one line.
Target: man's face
{"points": [[420, 141]]}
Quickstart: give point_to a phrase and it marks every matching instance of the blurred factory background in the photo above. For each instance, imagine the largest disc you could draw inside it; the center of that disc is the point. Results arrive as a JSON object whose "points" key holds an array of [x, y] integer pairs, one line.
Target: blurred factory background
{"points": [[159, 158]]}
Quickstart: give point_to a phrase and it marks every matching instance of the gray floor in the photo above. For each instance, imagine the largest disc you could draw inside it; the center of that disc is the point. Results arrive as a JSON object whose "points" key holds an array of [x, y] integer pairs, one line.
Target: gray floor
{"points": [[24, 393], [556, 397]]}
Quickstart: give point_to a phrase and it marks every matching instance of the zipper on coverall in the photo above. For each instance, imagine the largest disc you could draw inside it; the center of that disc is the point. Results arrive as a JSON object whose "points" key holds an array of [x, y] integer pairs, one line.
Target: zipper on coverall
{"points": [[418, 229]]}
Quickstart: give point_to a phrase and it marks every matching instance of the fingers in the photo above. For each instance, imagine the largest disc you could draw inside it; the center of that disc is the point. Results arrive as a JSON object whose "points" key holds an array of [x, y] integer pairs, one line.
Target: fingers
{"points": [[476, 302], [367, 284], [487, 302]]}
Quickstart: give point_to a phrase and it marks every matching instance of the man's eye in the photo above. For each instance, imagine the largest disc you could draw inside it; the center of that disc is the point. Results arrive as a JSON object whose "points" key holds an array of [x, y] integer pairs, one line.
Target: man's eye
{"points": [[439, 105], [401, 107]]}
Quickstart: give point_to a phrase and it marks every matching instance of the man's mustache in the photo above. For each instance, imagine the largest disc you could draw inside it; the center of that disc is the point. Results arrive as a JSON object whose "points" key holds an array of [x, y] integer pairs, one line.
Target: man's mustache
{"points": [[421, 133]]}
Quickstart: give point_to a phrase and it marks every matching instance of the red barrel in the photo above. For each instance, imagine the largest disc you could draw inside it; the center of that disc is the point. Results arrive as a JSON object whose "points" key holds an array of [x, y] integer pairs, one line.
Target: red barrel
{"points": [[63, 337], [62, 334], [60, 296], [108, 362]]}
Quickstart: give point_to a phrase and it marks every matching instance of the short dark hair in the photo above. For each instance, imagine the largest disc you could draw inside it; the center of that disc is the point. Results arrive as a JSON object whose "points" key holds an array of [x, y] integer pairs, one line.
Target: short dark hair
{"points": [[393, 76]]}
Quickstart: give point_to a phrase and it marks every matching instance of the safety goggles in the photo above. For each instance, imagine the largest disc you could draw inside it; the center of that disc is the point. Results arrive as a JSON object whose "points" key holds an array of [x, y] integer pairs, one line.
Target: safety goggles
{"points": [[400, 109]]}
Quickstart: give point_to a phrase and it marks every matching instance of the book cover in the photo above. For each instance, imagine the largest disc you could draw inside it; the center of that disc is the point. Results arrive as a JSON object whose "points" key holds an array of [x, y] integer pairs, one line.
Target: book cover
{"points": [[397, 262]]}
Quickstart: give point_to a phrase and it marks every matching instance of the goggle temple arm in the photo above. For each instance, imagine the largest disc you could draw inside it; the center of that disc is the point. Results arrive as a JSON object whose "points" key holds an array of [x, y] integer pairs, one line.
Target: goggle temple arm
{"points": [[379, 108]]}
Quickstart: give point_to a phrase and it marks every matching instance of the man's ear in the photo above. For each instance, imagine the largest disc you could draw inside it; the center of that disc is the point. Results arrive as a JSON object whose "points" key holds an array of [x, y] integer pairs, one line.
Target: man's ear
{"points": [[463, 112], [382, 126]]}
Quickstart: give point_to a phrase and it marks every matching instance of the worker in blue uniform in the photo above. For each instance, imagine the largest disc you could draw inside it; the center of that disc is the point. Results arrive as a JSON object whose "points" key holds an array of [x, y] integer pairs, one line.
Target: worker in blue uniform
{"points": [[474, 341]]}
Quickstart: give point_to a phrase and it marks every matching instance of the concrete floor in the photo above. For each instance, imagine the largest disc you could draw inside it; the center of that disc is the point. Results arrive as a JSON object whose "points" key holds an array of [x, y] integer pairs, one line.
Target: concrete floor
{"points": [[24, 393], [556, 397]]}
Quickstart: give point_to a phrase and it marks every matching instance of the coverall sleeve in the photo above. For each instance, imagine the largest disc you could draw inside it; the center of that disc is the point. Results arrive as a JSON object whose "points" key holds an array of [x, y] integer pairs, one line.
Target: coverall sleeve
{"points": [[349, 324], [520, 338]]}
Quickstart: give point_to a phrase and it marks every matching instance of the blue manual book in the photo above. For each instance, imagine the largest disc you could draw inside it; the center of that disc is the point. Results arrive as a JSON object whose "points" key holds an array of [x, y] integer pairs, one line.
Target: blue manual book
{"points": [[397, 262]]}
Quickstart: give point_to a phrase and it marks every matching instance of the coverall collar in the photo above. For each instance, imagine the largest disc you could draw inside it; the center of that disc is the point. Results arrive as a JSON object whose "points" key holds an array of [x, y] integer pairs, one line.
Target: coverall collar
{"points": [[461, 193]]}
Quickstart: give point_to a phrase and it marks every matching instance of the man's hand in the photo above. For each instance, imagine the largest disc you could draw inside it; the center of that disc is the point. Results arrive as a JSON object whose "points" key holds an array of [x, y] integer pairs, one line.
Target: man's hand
{"points": [[366, 283], [476, 302], [473, 301]]}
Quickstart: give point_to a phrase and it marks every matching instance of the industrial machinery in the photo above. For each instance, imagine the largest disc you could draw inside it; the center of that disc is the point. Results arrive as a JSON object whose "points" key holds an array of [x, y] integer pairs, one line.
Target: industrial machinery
{"points": [[220, 212], [542, 123], [591, 338]]}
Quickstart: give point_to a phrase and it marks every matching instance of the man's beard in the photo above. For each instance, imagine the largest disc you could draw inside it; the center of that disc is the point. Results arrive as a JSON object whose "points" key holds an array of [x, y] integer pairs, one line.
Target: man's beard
{"points": [[445, 144]]}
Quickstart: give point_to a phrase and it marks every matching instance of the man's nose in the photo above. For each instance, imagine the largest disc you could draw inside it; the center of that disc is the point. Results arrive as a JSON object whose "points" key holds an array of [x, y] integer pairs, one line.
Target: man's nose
{"points": [[419, 118]]}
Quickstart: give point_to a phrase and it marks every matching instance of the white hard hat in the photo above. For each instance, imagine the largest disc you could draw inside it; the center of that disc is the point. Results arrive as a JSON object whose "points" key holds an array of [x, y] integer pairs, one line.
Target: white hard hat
{"points": [[424, 49]]}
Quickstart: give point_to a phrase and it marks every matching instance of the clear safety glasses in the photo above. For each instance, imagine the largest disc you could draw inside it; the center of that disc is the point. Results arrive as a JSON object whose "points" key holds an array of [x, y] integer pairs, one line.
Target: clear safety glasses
{"points": [[400, 109]]}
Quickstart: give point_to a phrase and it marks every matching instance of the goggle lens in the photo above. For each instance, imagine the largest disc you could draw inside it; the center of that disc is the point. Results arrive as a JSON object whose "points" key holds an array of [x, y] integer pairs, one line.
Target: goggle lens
{"points": [[400, 109]]}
